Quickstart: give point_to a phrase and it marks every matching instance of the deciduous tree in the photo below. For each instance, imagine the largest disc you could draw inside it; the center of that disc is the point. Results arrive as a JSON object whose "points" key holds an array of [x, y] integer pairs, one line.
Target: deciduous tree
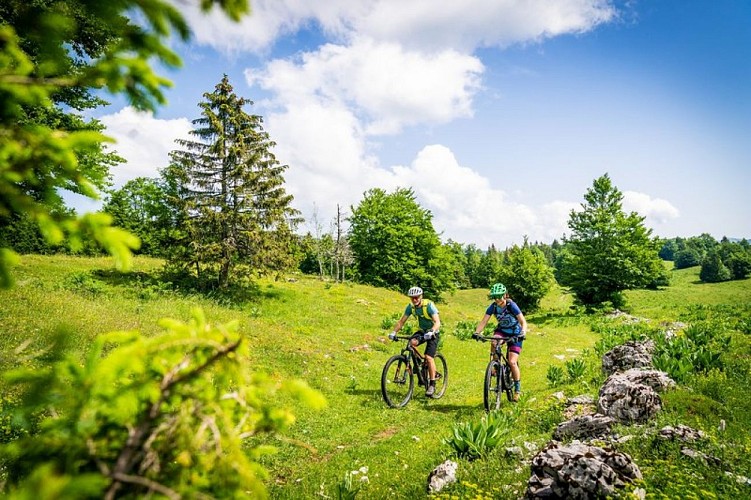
{"points": [[395, 244], [608, 250]]}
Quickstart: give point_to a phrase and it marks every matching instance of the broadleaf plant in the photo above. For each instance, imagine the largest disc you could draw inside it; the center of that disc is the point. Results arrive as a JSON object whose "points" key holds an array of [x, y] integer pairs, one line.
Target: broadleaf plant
{"points": [[169, 414]]}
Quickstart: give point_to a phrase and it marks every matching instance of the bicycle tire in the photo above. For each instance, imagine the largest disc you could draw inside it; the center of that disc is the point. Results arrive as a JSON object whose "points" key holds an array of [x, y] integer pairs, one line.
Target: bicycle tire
{"points": [[442, 376], [397, 381], [506, 383], [492, 386]]}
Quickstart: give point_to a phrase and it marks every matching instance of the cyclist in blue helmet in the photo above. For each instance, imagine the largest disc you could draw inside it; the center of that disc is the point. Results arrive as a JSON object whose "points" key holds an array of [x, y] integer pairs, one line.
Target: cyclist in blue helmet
{"points": [[430, 324], [511, 323]]}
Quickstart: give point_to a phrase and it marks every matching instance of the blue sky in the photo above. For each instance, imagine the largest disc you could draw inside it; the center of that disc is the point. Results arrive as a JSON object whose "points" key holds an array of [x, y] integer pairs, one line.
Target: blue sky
{"points": [[499, 114]]}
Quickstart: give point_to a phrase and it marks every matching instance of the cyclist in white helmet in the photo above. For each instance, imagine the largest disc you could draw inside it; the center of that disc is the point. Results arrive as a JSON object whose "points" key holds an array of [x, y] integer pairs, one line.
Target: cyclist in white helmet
{"points": [[430, 324]]}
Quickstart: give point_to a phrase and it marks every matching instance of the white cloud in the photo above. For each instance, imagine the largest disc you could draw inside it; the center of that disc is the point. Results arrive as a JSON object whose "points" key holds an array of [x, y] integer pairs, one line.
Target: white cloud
{"points": [[387, 87], [432, 25], [468, 209], [466, 25], [656, 210], [144, 141]]}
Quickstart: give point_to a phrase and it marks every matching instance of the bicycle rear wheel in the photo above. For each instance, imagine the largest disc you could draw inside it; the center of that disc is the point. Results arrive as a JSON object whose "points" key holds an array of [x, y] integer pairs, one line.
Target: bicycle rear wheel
{"points": [[441, 376], [492, 386], [397, 382]]}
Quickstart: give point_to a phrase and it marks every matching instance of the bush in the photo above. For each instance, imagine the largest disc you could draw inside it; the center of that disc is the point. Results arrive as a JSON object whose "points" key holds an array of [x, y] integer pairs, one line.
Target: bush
{"points": [[713, 270]]}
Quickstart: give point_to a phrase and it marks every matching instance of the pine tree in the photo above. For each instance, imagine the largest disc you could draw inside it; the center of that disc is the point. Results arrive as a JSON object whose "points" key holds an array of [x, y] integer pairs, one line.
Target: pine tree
{"points": [[239, 216]]}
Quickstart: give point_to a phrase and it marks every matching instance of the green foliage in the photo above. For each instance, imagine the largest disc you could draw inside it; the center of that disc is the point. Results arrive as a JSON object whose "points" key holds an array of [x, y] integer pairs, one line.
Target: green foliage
{"points": [[608, 251], [713, 270], [396, 246], [52, 54], [472, 440], [575, 369], [725, 262], [84, 283], [167, 414], [238, 213], [464, 330], [697, 350], [141, 207], [352, 484], [527, 275], [687, 258], [388, 322], [554, 375]]}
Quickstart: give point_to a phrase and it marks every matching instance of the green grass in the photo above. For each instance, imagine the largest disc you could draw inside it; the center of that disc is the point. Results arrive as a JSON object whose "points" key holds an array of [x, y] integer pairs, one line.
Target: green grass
{"points": [[332, 336]]}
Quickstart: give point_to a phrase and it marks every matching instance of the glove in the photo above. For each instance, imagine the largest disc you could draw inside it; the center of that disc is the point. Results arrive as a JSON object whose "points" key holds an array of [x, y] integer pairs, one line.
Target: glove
{"points": [[392, 336], [428, 335], [476, 336]]}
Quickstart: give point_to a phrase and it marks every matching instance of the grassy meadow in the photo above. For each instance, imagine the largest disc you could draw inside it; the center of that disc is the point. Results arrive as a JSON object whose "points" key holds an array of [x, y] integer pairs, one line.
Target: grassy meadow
{"points": [[333, 336]]}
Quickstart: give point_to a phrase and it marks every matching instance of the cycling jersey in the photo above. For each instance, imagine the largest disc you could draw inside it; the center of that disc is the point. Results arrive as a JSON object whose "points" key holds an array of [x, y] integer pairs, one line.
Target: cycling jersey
{"points": [[508, 324], [424, 314]]}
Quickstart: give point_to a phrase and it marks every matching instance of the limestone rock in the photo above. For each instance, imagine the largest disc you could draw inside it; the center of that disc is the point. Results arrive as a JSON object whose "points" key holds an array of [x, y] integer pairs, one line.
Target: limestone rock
{"points": [[579, 471]]}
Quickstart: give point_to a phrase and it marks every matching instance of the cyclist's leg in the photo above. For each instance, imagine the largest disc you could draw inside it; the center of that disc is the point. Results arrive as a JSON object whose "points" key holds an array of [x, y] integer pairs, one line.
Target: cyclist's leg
{"points": [[514, 349], [431, 347], [494, 343]]}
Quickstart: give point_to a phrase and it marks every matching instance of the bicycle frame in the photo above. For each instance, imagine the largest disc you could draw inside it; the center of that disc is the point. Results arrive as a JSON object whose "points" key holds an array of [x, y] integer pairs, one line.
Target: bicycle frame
{"points": [[417, 363]]}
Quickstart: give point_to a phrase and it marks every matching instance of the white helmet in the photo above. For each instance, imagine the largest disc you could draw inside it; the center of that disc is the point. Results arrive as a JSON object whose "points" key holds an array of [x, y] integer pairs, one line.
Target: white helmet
{"points": [[415, 291]]}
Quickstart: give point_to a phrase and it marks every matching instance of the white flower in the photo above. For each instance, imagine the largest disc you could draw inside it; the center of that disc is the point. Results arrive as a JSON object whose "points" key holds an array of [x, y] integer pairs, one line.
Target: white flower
{"points": [[364, 469]]}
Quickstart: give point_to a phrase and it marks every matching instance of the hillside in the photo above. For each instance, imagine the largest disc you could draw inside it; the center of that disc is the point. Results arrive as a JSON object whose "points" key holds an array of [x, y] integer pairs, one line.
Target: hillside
{"points": [[333, 336]]}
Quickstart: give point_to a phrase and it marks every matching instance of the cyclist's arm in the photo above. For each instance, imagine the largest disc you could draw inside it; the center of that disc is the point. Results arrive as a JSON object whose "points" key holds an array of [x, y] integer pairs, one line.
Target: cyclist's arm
{"points": [[481, 325], [436, 323], [399, 324], [522, 322]]}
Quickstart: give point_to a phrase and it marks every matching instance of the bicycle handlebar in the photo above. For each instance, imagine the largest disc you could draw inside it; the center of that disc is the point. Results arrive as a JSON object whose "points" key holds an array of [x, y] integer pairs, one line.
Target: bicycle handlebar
{"points": [[503, 340], [406, 337]]}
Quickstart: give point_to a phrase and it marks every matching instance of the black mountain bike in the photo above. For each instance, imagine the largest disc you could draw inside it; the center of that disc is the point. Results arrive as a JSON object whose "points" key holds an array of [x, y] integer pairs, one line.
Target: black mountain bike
{"points": [[398, 377], [498, 373]]}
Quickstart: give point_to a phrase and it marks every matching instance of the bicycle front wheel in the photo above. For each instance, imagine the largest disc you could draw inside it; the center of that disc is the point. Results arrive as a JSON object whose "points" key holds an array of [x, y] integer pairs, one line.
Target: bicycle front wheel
{"points": [[441, 376], [492, 387], [397, 382], [506, 382]]}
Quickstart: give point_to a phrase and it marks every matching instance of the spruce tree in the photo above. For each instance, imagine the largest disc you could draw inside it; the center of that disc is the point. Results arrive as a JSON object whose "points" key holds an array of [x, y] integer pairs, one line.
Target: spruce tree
{"points": [[239, 217]]}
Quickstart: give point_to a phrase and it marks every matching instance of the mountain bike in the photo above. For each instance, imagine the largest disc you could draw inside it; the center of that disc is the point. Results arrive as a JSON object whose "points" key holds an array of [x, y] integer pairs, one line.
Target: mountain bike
{"points": [[498, 373], [398, 377]]}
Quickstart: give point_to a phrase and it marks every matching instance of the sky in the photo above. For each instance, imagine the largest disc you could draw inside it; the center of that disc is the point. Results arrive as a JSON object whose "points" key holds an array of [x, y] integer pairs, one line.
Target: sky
{"points": [[499, 114]]}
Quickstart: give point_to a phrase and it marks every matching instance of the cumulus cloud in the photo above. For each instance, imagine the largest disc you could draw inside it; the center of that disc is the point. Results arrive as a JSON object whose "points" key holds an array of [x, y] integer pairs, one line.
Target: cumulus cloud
{"points": [[461, 25], [656, 210], [144, 141], [384, 85]]}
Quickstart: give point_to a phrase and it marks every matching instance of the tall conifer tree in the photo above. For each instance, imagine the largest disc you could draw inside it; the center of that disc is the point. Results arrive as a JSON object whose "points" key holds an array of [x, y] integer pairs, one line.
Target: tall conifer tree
{"points": [[239, 216]]}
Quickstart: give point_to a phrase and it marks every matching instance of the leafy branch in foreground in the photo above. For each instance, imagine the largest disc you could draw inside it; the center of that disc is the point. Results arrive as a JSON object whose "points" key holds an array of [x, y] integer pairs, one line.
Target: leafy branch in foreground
{"points": [[169, 414]]}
